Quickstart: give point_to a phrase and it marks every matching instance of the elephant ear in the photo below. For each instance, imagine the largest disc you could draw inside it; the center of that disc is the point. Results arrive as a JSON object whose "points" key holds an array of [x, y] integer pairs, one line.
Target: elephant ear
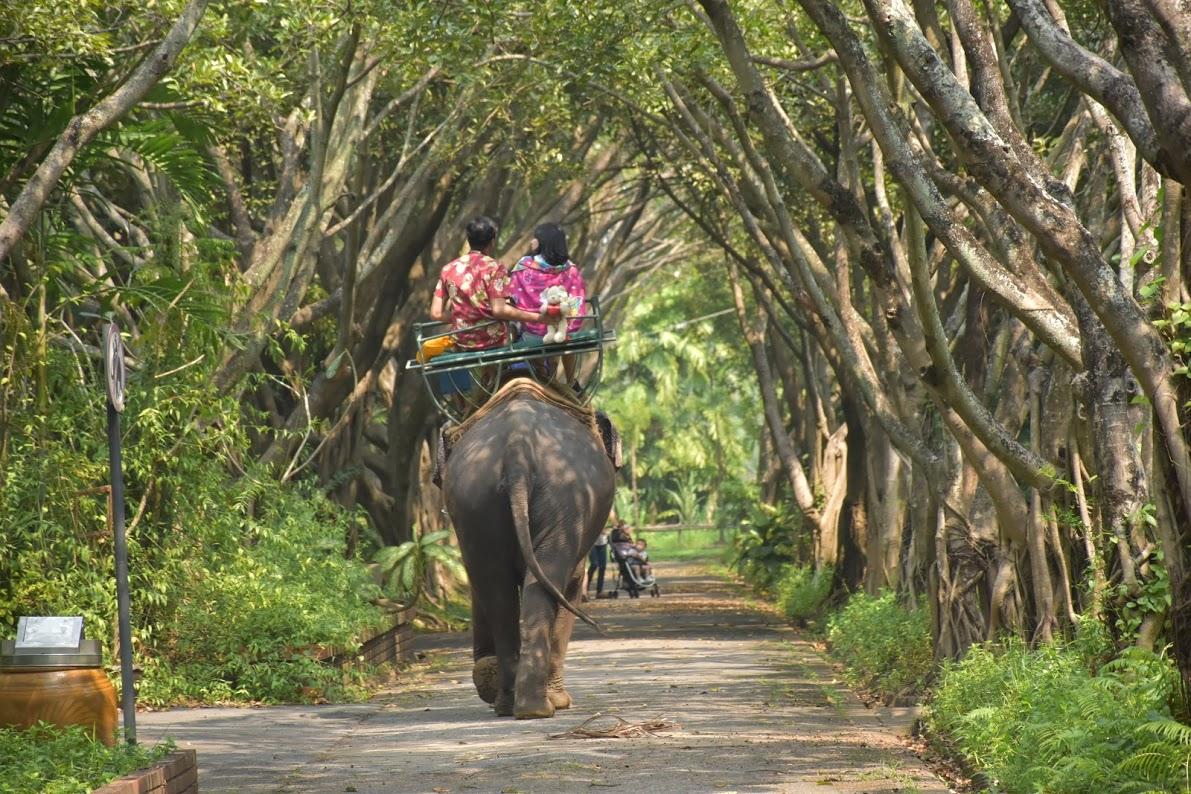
{"points": [[442, 450], [611, 439]]}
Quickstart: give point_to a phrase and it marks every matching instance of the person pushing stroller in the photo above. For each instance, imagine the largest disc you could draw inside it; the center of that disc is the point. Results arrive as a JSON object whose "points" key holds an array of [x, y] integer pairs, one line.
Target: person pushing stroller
{"points": [[597, 563]]}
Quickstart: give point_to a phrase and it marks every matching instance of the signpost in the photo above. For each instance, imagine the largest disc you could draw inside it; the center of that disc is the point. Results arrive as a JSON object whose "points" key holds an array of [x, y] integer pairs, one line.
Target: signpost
{"points": [[113, 365]]}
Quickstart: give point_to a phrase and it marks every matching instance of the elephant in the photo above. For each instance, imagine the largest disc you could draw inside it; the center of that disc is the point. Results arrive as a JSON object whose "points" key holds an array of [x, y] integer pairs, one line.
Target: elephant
{"points": [[528, 488]]}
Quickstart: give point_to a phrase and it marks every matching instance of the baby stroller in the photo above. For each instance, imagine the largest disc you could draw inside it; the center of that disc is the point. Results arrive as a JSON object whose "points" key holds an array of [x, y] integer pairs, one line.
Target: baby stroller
{"points": [[629, 580]]}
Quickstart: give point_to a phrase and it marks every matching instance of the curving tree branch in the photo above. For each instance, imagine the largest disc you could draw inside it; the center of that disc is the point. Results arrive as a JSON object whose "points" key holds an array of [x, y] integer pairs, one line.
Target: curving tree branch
{"points": [[1104, 83], [83, 128]]}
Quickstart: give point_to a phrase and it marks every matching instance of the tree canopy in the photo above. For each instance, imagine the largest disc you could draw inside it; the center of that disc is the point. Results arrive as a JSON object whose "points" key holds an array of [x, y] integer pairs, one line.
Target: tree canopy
{"points": [[915, 270]]}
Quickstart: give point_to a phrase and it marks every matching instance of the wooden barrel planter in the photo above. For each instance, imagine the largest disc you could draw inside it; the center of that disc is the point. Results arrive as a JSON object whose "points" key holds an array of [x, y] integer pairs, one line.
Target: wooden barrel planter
{"points": [[388, 644], [60, 688]]}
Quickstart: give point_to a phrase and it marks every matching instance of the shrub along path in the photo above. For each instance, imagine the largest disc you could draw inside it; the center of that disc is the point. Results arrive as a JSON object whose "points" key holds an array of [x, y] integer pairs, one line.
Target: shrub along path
{"points": [[758, 708]]}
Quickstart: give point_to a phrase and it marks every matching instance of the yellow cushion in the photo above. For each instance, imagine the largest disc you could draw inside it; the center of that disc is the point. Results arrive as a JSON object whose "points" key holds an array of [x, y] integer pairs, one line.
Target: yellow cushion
{"points": [[435, 347]]}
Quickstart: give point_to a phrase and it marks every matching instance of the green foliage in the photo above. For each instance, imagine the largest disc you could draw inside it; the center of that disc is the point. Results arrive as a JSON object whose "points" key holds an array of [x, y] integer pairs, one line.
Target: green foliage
{"points": [[234, 577], [1042, 720], [46, 759], [248, 627], [802, 591], [404, 568], [1166, 760], [688, 508], [1176, 326], [885, 647], [764, 546], [1152, 596], [679, 387]]}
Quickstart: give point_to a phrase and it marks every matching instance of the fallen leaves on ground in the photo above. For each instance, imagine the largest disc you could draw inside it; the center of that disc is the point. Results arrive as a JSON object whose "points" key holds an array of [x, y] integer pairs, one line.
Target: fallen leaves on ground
{"points": [[621, 729]]}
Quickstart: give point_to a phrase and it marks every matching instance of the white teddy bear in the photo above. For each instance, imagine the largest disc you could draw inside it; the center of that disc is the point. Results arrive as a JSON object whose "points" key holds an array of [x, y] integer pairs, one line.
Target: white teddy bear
{"points": [[559, 308]]}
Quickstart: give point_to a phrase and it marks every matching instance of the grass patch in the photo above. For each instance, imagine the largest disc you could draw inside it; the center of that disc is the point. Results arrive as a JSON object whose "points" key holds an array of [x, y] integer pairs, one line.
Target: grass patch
{"points": [[884, 646], [46, 759], [802, 591], [693, 544]]}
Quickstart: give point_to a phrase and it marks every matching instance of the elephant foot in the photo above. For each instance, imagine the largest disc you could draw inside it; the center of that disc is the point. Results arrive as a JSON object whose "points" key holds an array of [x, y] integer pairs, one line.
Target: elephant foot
{"points": [[559, 697], [535, 710], [504, 705], [485, 674]]}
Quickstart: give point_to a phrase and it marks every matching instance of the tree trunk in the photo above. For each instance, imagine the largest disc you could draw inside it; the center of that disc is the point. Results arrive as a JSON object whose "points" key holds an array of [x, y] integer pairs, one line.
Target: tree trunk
{"points": [[754, 333]]}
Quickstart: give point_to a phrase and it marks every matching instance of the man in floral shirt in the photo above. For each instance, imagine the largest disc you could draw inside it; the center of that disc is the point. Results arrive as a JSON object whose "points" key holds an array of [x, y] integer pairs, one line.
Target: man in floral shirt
{"points": [[473, 289]]}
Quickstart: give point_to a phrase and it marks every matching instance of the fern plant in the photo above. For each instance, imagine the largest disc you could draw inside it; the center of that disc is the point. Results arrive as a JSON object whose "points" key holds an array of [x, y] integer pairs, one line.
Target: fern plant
{"points": [[763, 546], [1044, 719], [1166, 761]]}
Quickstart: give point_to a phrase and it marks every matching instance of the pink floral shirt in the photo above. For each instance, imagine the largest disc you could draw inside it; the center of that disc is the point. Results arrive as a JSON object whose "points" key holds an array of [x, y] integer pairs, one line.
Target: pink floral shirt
{"points": [[531, 277], [467, 287]]}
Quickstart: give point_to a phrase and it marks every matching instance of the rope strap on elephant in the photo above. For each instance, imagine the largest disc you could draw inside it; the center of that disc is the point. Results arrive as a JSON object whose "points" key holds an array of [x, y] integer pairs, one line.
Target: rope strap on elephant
{"points": [[526, 387]]}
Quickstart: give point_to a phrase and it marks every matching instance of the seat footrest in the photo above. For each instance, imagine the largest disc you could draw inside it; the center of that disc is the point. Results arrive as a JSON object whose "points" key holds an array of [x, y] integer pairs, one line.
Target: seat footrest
{"points": [[582, 342]]}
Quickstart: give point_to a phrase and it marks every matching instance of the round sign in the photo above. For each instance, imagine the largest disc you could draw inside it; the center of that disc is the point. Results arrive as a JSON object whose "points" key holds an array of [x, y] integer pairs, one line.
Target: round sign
{"points": [[113, 365]]}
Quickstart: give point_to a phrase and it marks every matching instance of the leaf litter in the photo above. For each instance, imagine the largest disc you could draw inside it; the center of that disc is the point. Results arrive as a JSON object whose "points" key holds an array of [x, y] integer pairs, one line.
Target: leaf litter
{"points": [[621, 729]]}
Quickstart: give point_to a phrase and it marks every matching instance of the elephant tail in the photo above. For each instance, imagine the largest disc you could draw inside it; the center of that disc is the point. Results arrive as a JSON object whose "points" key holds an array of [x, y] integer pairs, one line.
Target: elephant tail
{"points": [[519, 502]]}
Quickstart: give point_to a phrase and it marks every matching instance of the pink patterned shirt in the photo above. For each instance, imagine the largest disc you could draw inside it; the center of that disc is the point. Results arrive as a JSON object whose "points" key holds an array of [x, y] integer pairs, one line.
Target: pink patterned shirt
{"points": [[531, 277]]}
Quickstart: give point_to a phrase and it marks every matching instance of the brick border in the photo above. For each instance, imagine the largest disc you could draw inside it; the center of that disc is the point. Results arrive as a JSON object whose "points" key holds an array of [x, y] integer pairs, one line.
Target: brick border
{"points": [[394, 643], [177, 773]]}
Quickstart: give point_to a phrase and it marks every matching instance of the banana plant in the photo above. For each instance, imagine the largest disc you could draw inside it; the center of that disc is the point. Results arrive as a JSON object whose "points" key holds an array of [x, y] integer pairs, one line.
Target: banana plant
{"points": [[405, 568]]}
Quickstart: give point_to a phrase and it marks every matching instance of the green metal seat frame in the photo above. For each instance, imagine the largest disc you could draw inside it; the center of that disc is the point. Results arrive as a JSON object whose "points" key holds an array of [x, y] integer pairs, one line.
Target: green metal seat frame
{"points": [[496, 361]]}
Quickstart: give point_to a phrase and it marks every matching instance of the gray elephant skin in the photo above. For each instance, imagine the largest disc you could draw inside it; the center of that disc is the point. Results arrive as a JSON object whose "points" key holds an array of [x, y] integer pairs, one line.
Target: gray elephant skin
{"points": [[528, 488]]}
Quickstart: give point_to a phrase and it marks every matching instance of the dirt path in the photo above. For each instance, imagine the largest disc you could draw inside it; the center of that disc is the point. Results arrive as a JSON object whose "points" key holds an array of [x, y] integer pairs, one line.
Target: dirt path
{"points": [[758, 709]]}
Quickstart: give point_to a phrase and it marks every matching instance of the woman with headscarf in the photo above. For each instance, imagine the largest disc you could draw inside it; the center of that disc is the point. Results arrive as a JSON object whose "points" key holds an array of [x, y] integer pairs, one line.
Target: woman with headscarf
{"points": [[546, 265]]}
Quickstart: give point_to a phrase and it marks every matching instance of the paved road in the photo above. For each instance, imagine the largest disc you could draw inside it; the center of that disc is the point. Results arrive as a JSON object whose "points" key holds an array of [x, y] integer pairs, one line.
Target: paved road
{"points": [[759, 711]]}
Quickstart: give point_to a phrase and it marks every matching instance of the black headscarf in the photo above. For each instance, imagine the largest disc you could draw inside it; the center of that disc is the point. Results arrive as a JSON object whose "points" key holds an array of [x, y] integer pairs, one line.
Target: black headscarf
{"points": [[552, 244]]}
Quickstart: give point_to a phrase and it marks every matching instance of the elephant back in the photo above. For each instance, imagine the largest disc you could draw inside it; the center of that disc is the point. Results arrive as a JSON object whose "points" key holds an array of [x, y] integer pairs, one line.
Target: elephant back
{"points": [[521, 434], [597, 422], [526, 388]]}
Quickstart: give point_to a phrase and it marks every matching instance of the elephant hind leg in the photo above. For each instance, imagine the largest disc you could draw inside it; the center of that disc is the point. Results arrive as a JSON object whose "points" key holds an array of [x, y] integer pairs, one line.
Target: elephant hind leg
{"points": [[495, 676], [485, 674], [545, 634], [537, 619], [560, 638]]}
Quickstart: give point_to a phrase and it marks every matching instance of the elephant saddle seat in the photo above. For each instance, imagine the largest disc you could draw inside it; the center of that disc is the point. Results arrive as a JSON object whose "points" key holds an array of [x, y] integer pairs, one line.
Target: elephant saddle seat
{"points": [[598, 422]]}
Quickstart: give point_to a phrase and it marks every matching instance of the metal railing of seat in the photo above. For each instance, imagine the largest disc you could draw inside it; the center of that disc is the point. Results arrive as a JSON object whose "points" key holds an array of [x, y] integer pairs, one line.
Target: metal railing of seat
{"points": [[461, 380]]}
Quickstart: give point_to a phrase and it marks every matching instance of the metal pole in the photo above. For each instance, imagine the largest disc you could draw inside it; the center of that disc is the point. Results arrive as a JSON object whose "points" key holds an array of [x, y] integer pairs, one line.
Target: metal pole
{"points": [[114, 364]]}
